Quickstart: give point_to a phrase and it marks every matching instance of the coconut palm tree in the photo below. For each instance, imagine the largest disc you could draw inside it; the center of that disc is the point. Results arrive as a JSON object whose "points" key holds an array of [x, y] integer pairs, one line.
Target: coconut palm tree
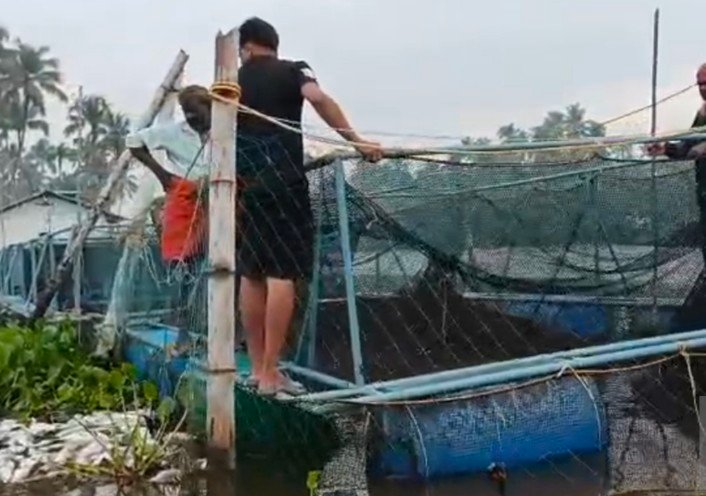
{"points": [[26, 76], [117, 127], [576, 125], [16, 120], [87, 120]]}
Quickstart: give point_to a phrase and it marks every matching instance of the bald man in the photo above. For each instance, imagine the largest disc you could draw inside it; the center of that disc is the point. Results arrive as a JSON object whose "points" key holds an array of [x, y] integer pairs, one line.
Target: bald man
{"points": [[693, 149]]}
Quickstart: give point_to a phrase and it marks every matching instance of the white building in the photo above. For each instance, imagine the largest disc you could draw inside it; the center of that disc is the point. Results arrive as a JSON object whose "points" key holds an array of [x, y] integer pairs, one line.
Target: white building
{"points": [[43, 213]]}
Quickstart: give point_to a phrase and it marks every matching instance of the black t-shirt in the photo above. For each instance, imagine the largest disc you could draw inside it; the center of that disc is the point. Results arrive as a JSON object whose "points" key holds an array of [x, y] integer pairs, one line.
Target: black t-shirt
{"points": [[268, 154]]}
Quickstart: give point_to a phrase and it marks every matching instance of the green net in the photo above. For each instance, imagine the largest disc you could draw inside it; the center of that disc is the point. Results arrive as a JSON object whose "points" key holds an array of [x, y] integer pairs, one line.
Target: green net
{"points": [[427, 265]]}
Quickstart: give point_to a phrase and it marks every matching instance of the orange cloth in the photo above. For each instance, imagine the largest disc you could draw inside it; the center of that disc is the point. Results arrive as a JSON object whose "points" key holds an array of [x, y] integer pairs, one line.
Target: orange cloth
{"points": [[184, 221]]}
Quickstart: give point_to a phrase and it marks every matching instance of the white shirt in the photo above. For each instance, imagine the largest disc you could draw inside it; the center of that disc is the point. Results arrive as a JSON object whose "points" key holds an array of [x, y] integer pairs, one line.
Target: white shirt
{"points": [[179, 141]]}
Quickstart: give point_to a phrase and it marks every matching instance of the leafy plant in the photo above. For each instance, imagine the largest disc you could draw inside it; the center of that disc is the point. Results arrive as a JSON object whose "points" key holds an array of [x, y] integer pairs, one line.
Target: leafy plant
{"points": [[44, 373]]}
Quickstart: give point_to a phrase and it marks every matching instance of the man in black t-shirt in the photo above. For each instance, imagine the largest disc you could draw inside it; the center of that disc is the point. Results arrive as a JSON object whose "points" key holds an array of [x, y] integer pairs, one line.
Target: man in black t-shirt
{"points": [[693, 149], [276, 234]]}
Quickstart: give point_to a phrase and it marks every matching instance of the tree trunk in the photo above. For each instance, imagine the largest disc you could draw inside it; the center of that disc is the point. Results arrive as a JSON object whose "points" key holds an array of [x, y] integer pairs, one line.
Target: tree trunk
{"points": [[23, 132]]}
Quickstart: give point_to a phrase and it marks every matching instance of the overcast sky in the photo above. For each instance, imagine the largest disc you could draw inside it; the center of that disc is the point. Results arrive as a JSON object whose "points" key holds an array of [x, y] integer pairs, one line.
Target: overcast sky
{"points": [[459, 67]]}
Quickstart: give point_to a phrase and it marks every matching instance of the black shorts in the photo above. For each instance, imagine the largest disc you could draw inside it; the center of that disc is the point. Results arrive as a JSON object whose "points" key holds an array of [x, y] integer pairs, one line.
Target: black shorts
{"points": [[276, 235]]}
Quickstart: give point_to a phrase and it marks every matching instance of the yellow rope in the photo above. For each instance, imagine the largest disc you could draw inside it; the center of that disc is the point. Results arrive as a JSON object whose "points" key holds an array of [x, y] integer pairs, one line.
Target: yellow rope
{"points": [[228, 92]]}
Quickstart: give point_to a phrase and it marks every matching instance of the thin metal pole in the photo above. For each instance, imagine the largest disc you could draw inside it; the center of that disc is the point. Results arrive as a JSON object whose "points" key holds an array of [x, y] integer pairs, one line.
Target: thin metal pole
{"points": [[353, 324], [653, 131], [514, 374], [220, 388], [488, 368], [313, 322]]}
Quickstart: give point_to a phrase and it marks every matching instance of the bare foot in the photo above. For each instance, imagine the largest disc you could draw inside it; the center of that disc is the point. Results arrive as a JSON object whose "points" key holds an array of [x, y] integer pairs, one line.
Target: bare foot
{"points": [[273, 384]]}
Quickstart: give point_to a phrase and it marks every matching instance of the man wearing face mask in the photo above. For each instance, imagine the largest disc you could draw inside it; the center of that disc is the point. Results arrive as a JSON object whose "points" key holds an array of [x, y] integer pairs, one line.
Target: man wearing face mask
{"points": [[276, 246]]}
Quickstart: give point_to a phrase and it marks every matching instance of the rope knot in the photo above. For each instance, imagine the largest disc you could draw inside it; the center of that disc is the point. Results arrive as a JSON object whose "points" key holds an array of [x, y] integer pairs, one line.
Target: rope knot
{"points": [[225, 91]]}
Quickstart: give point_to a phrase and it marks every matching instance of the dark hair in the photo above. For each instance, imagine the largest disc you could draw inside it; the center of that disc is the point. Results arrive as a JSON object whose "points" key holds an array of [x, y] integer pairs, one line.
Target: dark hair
{"points": [[259, 32]]}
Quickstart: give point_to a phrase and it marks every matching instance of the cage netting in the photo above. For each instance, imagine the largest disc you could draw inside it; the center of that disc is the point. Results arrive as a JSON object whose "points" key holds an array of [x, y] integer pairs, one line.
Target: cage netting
{"points": [[456, 264]]}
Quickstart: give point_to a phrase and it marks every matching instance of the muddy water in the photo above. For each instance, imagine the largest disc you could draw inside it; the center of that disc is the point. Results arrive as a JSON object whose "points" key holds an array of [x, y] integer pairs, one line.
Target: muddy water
{"points": [[578, 477]]}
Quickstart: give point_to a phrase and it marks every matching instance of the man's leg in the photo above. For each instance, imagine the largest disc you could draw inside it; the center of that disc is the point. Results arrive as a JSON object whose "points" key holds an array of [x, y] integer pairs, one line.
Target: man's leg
{"points": [[253, 299], [281, 295]]}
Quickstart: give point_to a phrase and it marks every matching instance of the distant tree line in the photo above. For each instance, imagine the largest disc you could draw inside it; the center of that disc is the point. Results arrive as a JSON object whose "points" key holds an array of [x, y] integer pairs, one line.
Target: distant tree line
{"points": [[557, 125], [93, 136]]}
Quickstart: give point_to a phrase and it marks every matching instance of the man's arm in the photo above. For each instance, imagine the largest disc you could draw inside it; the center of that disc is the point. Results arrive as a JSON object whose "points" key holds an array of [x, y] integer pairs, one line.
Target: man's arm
{"points": [[688, 148], [332, 114], [137, 143], [143, 155]]}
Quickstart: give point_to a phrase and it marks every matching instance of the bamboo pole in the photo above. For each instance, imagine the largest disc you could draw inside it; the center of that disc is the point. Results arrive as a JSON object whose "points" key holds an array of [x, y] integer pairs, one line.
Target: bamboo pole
{"points": [[104, 198], [221, 253]]}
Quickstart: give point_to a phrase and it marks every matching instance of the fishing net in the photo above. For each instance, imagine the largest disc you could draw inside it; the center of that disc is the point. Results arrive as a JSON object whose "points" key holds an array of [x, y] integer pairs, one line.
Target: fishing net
{"points": [[432, 264]]}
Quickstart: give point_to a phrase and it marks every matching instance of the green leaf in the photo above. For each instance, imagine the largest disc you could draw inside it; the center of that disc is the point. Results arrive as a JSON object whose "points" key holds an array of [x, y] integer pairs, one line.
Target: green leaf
{"points": [[166, 409], [150, 392]]}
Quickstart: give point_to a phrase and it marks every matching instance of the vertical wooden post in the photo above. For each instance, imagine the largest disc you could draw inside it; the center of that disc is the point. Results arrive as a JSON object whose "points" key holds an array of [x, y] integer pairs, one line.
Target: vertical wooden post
{"points": [[221, 253]]}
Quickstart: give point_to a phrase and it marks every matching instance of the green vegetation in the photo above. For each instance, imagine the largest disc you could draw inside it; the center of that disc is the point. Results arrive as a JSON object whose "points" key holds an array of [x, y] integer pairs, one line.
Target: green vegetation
{"points": [[45, 373]]}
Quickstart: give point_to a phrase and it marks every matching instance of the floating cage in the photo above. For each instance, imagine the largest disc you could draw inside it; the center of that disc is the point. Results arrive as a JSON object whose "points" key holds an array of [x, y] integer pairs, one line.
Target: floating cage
{"points": [[478, 316]]}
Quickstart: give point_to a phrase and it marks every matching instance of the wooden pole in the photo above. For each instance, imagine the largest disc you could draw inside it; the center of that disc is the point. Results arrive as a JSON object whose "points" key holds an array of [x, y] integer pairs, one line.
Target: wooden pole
{"points": [[221, 253], [105, 196]]}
